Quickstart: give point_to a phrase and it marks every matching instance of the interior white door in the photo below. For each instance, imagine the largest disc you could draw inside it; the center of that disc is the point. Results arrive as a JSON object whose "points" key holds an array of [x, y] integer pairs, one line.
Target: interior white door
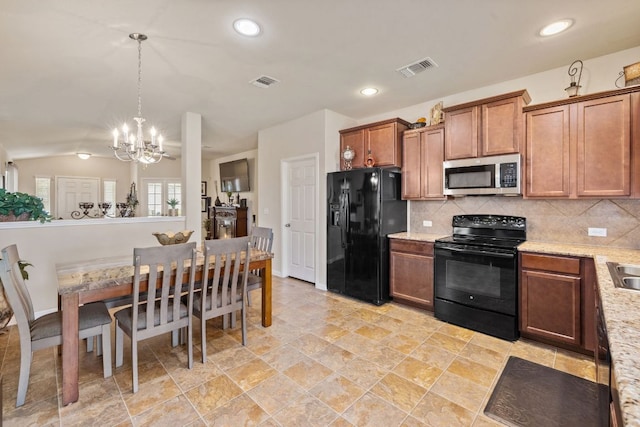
{"points": [[302, 219], [72, 190]]}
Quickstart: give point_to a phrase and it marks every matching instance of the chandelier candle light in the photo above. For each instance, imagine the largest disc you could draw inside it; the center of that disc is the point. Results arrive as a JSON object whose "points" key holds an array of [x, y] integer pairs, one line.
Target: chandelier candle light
{"points": [[133, 147]]}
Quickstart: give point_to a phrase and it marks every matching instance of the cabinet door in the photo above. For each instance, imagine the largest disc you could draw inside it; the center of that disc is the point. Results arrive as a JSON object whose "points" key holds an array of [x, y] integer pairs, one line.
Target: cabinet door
{"points": [[411, 279], [384, 145], [547, 153], [461, 133], [355, 140], [550, 306], [604, 147], [411, 166], [432, 155], [501, 127]]}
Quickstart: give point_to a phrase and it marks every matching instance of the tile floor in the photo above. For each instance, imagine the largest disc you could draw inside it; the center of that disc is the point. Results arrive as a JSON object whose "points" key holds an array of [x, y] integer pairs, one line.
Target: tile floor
{"points": [[327, 360]]}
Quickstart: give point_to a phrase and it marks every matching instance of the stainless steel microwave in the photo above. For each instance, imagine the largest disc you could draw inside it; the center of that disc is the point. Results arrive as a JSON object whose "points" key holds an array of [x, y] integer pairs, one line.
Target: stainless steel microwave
{"points": [[483, 175]]}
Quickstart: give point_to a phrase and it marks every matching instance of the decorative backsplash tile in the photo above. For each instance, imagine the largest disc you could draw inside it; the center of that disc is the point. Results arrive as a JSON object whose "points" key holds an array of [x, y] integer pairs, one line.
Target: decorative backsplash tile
{"points": [[557, 221]]}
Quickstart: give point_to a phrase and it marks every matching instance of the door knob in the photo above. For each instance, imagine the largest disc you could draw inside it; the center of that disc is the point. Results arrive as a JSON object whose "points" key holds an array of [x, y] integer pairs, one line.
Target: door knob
{"points": [[287, 225]]}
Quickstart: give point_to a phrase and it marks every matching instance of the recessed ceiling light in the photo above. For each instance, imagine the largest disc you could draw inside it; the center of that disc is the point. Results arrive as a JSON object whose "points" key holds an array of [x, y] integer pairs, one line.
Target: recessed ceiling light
{"points": [[556, 27], [369, 91], [246, 27]]}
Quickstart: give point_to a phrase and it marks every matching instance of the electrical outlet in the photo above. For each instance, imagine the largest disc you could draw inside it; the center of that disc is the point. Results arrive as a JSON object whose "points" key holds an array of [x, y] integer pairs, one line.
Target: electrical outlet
{"points": [[599, 232], [427, 223]]}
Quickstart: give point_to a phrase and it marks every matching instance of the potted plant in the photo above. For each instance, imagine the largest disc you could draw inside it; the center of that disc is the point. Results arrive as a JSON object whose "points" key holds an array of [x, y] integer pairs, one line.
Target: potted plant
{"points": [[22, 207], [173, 203]]}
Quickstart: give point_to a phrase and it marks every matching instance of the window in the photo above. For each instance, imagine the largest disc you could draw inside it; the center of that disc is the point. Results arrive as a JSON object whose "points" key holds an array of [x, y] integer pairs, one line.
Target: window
{"points": [[109, 195], [157, 192], [43, 190]]}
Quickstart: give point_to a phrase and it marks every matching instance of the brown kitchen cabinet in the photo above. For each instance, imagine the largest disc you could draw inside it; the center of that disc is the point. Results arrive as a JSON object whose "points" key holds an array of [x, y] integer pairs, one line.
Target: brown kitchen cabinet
{"points": [[557, 300], [582, 147], [411, 272], [486, 127], [381, 139], [422, 157]]}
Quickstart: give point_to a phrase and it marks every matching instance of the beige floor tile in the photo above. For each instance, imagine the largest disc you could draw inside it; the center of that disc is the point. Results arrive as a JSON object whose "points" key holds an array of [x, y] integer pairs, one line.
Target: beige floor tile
{"points": [[310, 344], [213, 394], [333, 357], [385, 357], [412, 422], [283, 357], [535, 352], [329, 332], [460, 390], [355, 343], [231, 357], [251, 373], [41, 413], [400, 342], [340, 422], [181, 410], [373, 332], [492, 343], [150, 394], [337, 392], [456, 332], [473, 371], [241, 411], [401, 392], [485, 356], [307, 373], [273, 392], [305, 411], [435, 410], [434, 355], [575, 364], [363, 372], [446, 342], [418, 372], [373, 411]]}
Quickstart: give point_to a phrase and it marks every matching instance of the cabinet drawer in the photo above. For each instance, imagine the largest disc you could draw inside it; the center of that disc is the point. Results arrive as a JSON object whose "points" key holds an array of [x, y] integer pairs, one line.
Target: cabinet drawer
{"points": [[551, 263], [412, 246]]}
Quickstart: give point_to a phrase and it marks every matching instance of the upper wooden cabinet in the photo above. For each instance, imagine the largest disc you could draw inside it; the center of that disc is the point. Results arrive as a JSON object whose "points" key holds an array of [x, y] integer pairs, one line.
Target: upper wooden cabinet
{"points": [[582, 147], [486, 127], [422, 157], [382, 139]]}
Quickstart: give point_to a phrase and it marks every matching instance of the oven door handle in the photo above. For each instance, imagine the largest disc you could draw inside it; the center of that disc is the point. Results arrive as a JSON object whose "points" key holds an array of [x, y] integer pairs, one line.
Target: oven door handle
{"points": [[483, 253]]}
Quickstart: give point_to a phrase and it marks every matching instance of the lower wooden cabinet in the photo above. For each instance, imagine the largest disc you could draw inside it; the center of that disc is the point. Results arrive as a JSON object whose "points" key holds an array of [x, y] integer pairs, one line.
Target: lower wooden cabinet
{"points": [[411, 272], [557, 300]]}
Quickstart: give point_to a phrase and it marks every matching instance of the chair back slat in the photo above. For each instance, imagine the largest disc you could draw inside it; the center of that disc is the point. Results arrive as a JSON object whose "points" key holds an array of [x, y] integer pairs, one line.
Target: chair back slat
{"points": [[261, 239]]}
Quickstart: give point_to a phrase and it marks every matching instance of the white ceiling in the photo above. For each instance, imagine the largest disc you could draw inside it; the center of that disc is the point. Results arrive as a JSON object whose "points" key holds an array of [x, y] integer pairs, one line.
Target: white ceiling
{"points": [[69, 70]]}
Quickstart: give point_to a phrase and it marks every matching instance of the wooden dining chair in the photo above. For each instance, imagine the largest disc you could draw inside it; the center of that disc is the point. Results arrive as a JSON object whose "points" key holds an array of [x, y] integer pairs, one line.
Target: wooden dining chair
{"points": [[46, 331], [223, 284], [169, 313], [262, 239]]}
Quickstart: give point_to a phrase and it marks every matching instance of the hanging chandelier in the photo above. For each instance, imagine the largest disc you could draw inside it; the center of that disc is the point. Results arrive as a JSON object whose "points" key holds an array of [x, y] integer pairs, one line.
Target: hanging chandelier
{"points": [[132, 147]]}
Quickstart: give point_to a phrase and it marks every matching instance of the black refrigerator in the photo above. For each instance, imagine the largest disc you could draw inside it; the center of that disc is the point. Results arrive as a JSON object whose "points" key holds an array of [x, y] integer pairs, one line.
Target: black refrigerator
{"points": [[364, 206]]}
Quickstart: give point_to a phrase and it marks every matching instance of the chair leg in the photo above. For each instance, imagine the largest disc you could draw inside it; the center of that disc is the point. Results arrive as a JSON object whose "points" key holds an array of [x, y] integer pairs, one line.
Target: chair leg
{"points": [[105, 343], [25, 369], [174, 338], [89, 344], [203, 339], [190, 342], [134, 364], [119, 345], [249, 298], [233, 319], [244, 326], [99, 342]]}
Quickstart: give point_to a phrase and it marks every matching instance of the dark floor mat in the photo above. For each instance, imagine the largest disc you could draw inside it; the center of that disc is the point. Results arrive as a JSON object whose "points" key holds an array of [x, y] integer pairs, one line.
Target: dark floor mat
{"points": [[528, 394]]}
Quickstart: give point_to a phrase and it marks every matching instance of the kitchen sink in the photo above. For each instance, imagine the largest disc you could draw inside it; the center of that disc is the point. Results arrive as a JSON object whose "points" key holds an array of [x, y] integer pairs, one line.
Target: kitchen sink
{"points": [[626, 276]]}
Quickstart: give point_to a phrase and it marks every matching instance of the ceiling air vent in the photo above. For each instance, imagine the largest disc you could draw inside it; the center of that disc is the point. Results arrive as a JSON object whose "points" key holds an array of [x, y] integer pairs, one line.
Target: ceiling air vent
{"points": [[417, 67], [264, 81]]}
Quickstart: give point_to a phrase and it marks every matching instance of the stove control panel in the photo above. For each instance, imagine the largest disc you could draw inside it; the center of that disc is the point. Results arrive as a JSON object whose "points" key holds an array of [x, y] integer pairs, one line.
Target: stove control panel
{"points": [[490, 221]]}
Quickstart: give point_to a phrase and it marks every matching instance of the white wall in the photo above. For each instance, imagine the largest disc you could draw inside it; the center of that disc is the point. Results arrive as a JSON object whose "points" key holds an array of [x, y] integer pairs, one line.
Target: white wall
{"points": [[313, 134]]}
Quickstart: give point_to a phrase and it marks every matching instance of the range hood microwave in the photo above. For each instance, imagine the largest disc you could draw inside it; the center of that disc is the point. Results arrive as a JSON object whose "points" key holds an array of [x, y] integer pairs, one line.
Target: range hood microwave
{"points": [[483, 176]]}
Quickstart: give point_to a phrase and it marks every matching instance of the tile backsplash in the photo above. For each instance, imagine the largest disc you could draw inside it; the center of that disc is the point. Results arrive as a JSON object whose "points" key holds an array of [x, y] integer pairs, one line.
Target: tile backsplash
{"points": [[557, 221]]}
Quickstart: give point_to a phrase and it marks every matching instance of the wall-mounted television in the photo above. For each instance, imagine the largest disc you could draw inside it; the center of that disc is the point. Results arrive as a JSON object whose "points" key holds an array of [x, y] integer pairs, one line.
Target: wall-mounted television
{"points": [[234, 176]]}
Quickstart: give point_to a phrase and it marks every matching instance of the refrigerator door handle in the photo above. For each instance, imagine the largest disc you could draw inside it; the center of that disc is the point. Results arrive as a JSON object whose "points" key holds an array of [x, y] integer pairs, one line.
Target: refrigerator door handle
{"points": [[344, 220]]}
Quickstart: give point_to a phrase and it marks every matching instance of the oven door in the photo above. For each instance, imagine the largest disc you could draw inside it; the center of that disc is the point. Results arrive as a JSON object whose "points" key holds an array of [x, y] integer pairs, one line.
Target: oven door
{"points": [[477, 277]]}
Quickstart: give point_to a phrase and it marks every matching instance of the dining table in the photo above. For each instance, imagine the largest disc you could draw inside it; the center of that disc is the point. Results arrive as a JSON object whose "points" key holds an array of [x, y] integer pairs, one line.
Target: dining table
{"points": [[86, 281]]}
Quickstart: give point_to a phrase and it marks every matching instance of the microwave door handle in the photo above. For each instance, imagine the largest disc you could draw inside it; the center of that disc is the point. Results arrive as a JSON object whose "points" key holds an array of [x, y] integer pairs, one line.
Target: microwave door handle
{"points": [[483, 253]]}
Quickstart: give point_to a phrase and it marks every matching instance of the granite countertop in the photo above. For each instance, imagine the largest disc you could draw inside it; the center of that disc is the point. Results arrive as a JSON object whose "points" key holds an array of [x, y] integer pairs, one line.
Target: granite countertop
{"points": [[621, 308]]}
